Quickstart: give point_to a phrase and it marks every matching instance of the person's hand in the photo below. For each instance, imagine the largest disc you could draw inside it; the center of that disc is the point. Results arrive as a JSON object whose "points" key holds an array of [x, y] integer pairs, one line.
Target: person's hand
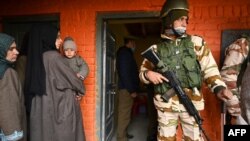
{"points": [[133, 95], [155, 77], [78, 97], [231, 101], [78, 75], [233, 106], [225, 95]]}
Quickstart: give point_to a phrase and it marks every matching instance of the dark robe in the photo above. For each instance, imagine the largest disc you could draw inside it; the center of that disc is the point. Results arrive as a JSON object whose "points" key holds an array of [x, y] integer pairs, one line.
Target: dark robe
{"points": [[56, 115], [12, 110]]}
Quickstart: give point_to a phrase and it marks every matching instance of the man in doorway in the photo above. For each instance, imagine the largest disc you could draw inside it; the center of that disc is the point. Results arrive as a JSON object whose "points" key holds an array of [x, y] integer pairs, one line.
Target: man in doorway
{"points": [[128, 86]]}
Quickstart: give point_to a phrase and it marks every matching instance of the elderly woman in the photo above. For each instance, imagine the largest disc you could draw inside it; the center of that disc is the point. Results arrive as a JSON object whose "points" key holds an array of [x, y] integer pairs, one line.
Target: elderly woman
{"points": [[12, 110]]}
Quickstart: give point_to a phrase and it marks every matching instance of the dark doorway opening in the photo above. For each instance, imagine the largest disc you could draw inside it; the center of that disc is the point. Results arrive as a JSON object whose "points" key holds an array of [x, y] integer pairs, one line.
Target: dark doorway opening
{"points": [[18, 26]]}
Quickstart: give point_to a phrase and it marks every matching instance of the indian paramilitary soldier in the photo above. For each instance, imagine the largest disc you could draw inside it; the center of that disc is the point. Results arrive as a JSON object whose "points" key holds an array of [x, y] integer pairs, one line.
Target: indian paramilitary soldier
{"points": [[192, 62]]}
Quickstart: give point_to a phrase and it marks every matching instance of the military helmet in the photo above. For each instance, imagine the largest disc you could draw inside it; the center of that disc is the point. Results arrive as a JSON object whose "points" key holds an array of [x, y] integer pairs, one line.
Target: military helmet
{"points": [[170, 5]]}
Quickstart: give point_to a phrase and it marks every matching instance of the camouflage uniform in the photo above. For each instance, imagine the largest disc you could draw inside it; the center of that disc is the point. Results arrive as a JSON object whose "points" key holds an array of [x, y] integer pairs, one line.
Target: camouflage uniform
{"points": [[169, 112], [193, 63], [235, 54]]}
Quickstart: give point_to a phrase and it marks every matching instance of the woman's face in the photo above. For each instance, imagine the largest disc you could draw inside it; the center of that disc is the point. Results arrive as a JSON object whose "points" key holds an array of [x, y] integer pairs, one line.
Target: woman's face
{"points": [[58, 40], [12, 53]]}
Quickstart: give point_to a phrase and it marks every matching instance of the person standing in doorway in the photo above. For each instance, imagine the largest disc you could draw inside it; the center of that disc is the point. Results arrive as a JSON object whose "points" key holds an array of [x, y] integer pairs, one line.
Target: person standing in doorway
{"points": [[191, 61], [128, 85]]}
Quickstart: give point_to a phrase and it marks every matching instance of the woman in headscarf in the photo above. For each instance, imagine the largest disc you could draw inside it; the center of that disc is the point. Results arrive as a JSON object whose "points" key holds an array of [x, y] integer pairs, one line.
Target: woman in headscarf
{"points": [[12, 110], [55, 113]]}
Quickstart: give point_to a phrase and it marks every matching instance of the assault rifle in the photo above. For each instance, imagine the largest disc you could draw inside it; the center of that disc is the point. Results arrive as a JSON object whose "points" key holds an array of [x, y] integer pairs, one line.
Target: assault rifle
{"points": [[150, 55]]}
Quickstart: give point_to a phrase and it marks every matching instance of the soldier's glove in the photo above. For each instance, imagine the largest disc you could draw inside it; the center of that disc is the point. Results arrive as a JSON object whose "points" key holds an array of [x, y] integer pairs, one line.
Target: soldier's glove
{"points": [[233, 106]]}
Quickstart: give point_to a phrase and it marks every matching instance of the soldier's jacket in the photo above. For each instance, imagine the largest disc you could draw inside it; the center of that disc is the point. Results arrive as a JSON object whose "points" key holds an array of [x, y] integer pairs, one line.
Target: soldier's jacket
{"points": [[235, 54], [209, 72]]}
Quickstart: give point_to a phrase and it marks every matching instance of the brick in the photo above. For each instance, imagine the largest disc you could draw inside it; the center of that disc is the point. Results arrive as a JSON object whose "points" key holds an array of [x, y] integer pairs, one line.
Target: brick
{"points": [[158, 3], [213, 34], [90, 101], [206, 27], [236, 10], [213, 11], [244, 11], [205, 13], [248, 9], [197, 32], [216, 21], [220, 11], [197, 12], [191, 12], [228, 11]]}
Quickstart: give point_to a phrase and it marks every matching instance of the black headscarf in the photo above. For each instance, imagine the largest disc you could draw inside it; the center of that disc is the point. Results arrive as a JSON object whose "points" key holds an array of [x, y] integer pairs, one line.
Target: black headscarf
{"points": [[24, 45], [42, 38], [5, 43]]}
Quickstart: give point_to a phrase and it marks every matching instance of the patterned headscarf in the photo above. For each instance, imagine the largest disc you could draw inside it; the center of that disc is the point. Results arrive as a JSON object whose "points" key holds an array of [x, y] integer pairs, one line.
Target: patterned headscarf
{"points": [[5, 43]]}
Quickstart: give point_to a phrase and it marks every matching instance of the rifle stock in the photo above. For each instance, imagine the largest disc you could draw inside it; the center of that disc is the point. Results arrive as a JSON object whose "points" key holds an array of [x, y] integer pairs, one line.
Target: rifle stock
{"points": [[150, 55]]}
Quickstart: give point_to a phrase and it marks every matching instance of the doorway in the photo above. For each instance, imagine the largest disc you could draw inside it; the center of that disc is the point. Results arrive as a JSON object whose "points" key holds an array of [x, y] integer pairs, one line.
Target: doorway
{"points": [[111, 29], [18, 26]]}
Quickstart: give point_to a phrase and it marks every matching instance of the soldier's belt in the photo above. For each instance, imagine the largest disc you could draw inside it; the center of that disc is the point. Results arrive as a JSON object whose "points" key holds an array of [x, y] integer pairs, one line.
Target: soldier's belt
{"points": [[171, 92]]}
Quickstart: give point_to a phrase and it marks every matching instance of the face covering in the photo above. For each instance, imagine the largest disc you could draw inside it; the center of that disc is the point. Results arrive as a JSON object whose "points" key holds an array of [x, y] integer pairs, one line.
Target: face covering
{"points": [[133, 49], [180, 30]]}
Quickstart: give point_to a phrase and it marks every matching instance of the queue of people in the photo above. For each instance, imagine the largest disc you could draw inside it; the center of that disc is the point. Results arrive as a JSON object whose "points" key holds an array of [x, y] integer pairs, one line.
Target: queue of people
{"points": [[53, 89]]}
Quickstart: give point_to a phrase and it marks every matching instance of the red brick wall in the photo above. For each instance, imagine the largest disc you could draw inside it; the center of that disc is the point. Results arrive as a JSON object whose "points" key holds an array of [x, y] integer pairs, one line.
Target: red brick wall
{"points": [[78, 19]]}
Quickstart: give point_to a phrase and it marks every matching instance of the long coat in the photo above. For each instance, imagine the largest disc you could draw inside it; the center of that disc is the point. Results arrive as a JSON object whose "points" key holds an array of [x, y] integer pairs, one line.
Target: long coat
{"points": [[56, 115], [12, 110]]}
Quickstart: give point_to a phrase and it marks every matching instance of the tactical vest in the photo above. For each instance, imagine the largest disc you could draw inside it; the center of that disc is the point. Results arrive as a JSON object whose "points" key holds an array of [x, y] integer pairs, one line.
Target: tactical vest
{"points": [[179, 57]]}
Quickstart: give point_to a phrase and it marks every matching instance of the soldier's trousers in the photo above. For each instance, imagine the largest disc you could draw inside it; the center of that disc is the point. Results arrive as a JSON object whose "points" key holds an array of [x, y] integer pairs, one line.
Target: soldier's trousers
{"points": [[168, 122]]}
